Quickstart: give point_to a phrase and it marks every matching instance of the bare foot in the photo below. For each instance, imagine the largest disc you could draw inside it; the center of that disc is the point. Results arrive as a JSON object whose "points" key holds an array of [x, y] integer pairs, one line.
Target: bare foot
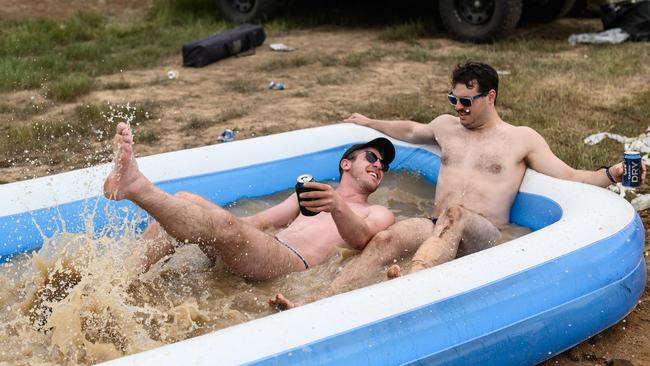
{"points": [[281, 303], [125, 174], [394, 271]]}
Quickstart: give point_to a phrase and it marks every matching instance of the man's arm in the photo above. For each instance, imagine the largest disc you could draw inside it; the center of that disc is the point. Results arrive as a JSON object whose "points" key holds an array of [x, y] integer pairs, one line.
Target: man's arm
{"points": [[541, 158], [355, 230], [277, 216], [409, 131]]}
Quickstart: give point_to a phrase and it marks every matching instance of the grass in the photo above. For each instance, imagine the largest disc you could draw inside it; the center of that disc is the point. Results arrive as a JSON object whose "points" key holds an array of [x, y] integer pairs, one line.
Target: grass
{"points": [[24, 110], [76, 133], [418, 54], [199, 123], [406, 32], [65, 56], [230, 114], [243, 86], [116, 85], [300, 94], [285, 63], [147, 137], [361, 59], [69, 87], [560, 90], [332, 78], [328, 61], [402, 106]]}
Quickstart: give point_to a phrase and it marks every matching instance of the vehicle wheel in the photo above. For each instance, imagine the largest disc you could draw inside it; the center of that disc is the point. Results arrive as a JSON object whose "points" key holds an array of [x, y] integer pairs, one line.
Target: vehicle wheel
{"points": [[479, 20], [245, 11], [546, 10]]}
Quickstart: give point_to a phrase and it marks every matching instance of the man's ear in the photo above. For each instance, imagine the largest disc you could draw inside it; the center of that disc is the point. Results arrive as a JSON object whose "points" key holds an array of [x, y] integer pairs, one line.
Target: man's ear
{"points": [[346, 164], [492, 95]]}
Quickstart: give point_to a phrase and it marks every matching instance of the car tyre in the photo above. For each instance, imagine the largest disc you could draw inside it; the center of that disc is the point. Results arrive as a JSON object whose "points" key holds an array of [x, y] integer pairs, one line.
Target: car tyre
{"points": [[246, 11], [479, 20]]}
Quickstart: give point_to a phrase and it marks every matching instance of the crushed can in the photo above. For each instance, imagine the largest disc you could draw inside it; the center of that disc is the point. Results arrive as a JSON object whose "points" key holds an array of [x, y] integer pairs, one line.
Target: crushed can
{"points": [[276, 86], [227, 135]]}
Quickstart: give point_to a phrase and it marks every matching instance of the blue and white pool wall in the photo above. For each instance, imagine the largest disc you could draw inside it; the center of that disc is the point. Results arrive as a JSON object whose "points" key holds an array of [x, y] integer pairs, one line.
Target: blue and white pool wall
{"points": [[518, 303]]}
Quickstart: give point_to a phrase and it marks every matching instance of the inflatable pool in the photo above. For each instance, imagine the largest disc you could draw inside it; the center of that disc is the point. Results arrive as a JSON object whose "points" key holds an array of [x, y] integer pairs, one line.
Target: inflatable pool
{"points": [[579, 272]]}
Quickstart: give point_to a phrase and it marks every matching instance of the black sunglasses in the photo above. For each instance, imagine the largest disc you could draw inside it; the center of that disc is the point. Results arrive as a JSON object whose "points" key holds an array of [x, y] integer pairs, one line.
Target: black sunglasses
{"points": [[464, 101], [371, 158]]}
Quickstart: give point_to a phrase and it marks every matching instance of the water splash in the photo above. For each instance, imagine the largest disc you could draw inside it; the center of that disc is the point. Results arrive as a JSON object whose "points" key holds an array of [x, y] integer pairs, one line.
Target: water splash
{"points": [[80, 299]]}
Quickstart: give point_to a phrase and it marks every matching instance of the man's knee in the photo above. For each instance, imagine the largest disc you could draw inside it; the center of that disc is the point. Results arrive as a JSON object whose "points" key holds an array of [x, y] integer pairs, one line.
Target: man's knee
{"points": [[222, 223], [390, 245], [382, 239], [382, 248], [453, 214], [450, 219], [186, 196]]}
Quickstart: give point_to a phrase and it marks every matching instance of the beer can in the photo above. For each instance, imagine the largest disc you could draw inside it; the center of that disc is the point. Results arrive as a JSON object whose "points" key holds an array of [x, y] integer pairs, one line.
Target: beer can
{"points": [[632, 163], [276, 86], [300, 188]]}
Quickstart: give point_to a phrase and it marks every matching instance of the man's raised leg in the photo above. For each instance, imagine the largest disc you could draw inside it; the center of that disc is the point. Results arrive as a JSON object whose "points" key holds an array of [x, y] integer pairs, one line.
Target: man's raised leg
{"points": [[182, 219], [160, 244], [458, 231], [398, 241], [245, 249]]}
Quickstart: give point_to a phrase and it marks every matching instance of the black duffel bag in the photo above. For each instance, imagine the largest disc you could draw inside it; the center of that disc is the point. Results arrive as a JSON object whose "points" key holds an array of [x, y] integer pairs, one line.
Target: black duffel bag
{"points": [[231, 42]]}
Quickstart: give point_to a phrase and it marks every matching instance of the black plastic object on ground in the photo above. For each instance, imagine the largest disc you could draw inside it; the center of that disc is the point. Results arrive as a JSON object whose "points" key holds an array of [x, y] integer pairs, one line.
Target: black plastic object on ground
{"points": [[631, 16], [214, 48]]}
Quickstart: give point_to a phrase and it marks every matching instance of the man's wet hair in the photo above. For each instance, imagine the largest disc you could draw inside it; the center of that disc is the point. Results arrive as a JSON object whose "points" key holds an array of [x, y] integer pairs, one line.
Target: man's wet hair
{"points": [[472, 72]]}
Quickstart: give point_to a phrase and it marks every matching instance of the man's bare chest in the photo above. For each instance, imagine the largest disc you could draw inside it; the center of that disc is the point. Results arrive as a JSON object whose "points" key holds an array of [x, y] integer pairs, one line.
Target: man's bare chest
{"points": [[485, 157]]}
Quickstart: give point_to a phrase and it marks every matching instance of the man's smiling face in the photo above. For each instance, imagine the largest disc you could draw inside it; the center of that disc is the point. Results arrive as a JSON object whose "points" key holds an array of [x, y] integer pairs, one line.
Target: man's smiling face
{"points": [[368, 175]]}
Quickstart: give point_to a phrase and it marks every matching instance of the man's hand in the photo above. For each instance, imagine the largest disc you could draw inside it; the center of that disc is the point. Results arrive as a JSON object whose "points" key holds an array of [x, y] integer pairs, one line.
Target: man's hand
{"points": [[618, 170], [359, 119], [324, 199]]}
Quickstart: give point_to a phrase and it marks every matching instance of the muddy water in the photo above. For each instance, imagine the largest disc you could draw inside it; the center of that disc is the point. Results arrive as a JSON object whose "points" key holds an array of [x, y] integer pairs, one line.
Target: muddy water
{"points": [[78, 300]]}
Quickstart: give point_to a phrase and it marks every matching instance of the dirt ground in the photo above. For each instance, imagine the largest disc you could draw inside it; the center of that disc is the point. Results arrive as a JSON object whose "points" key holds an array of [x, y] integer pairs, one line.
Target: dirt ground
{"points": [[58, 9], [313, 97]]}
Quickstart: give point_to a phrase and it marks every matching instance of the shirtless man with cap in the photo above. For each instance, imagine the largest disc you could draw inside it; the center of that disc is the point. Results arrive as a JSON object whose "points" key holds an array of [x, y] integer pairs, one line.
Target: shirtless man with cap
{"points": [[345, 218]]}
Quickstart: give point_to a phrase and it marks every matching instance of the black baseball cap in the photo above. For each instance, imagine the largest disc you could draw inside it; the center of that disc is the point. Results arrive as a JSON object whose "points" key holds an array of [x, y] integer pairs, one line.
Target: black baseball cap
{"points": [[385, 147]]}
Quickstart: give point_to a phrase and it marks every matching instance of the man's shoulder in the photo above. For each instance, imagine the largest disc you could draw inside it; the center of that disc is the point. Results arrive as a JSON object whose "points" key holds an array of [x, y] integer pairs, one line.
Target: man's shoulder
{"points": [[522, 131], [527, 137], [379, 209], [445, 121], [529, 133], [382, 214]]}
